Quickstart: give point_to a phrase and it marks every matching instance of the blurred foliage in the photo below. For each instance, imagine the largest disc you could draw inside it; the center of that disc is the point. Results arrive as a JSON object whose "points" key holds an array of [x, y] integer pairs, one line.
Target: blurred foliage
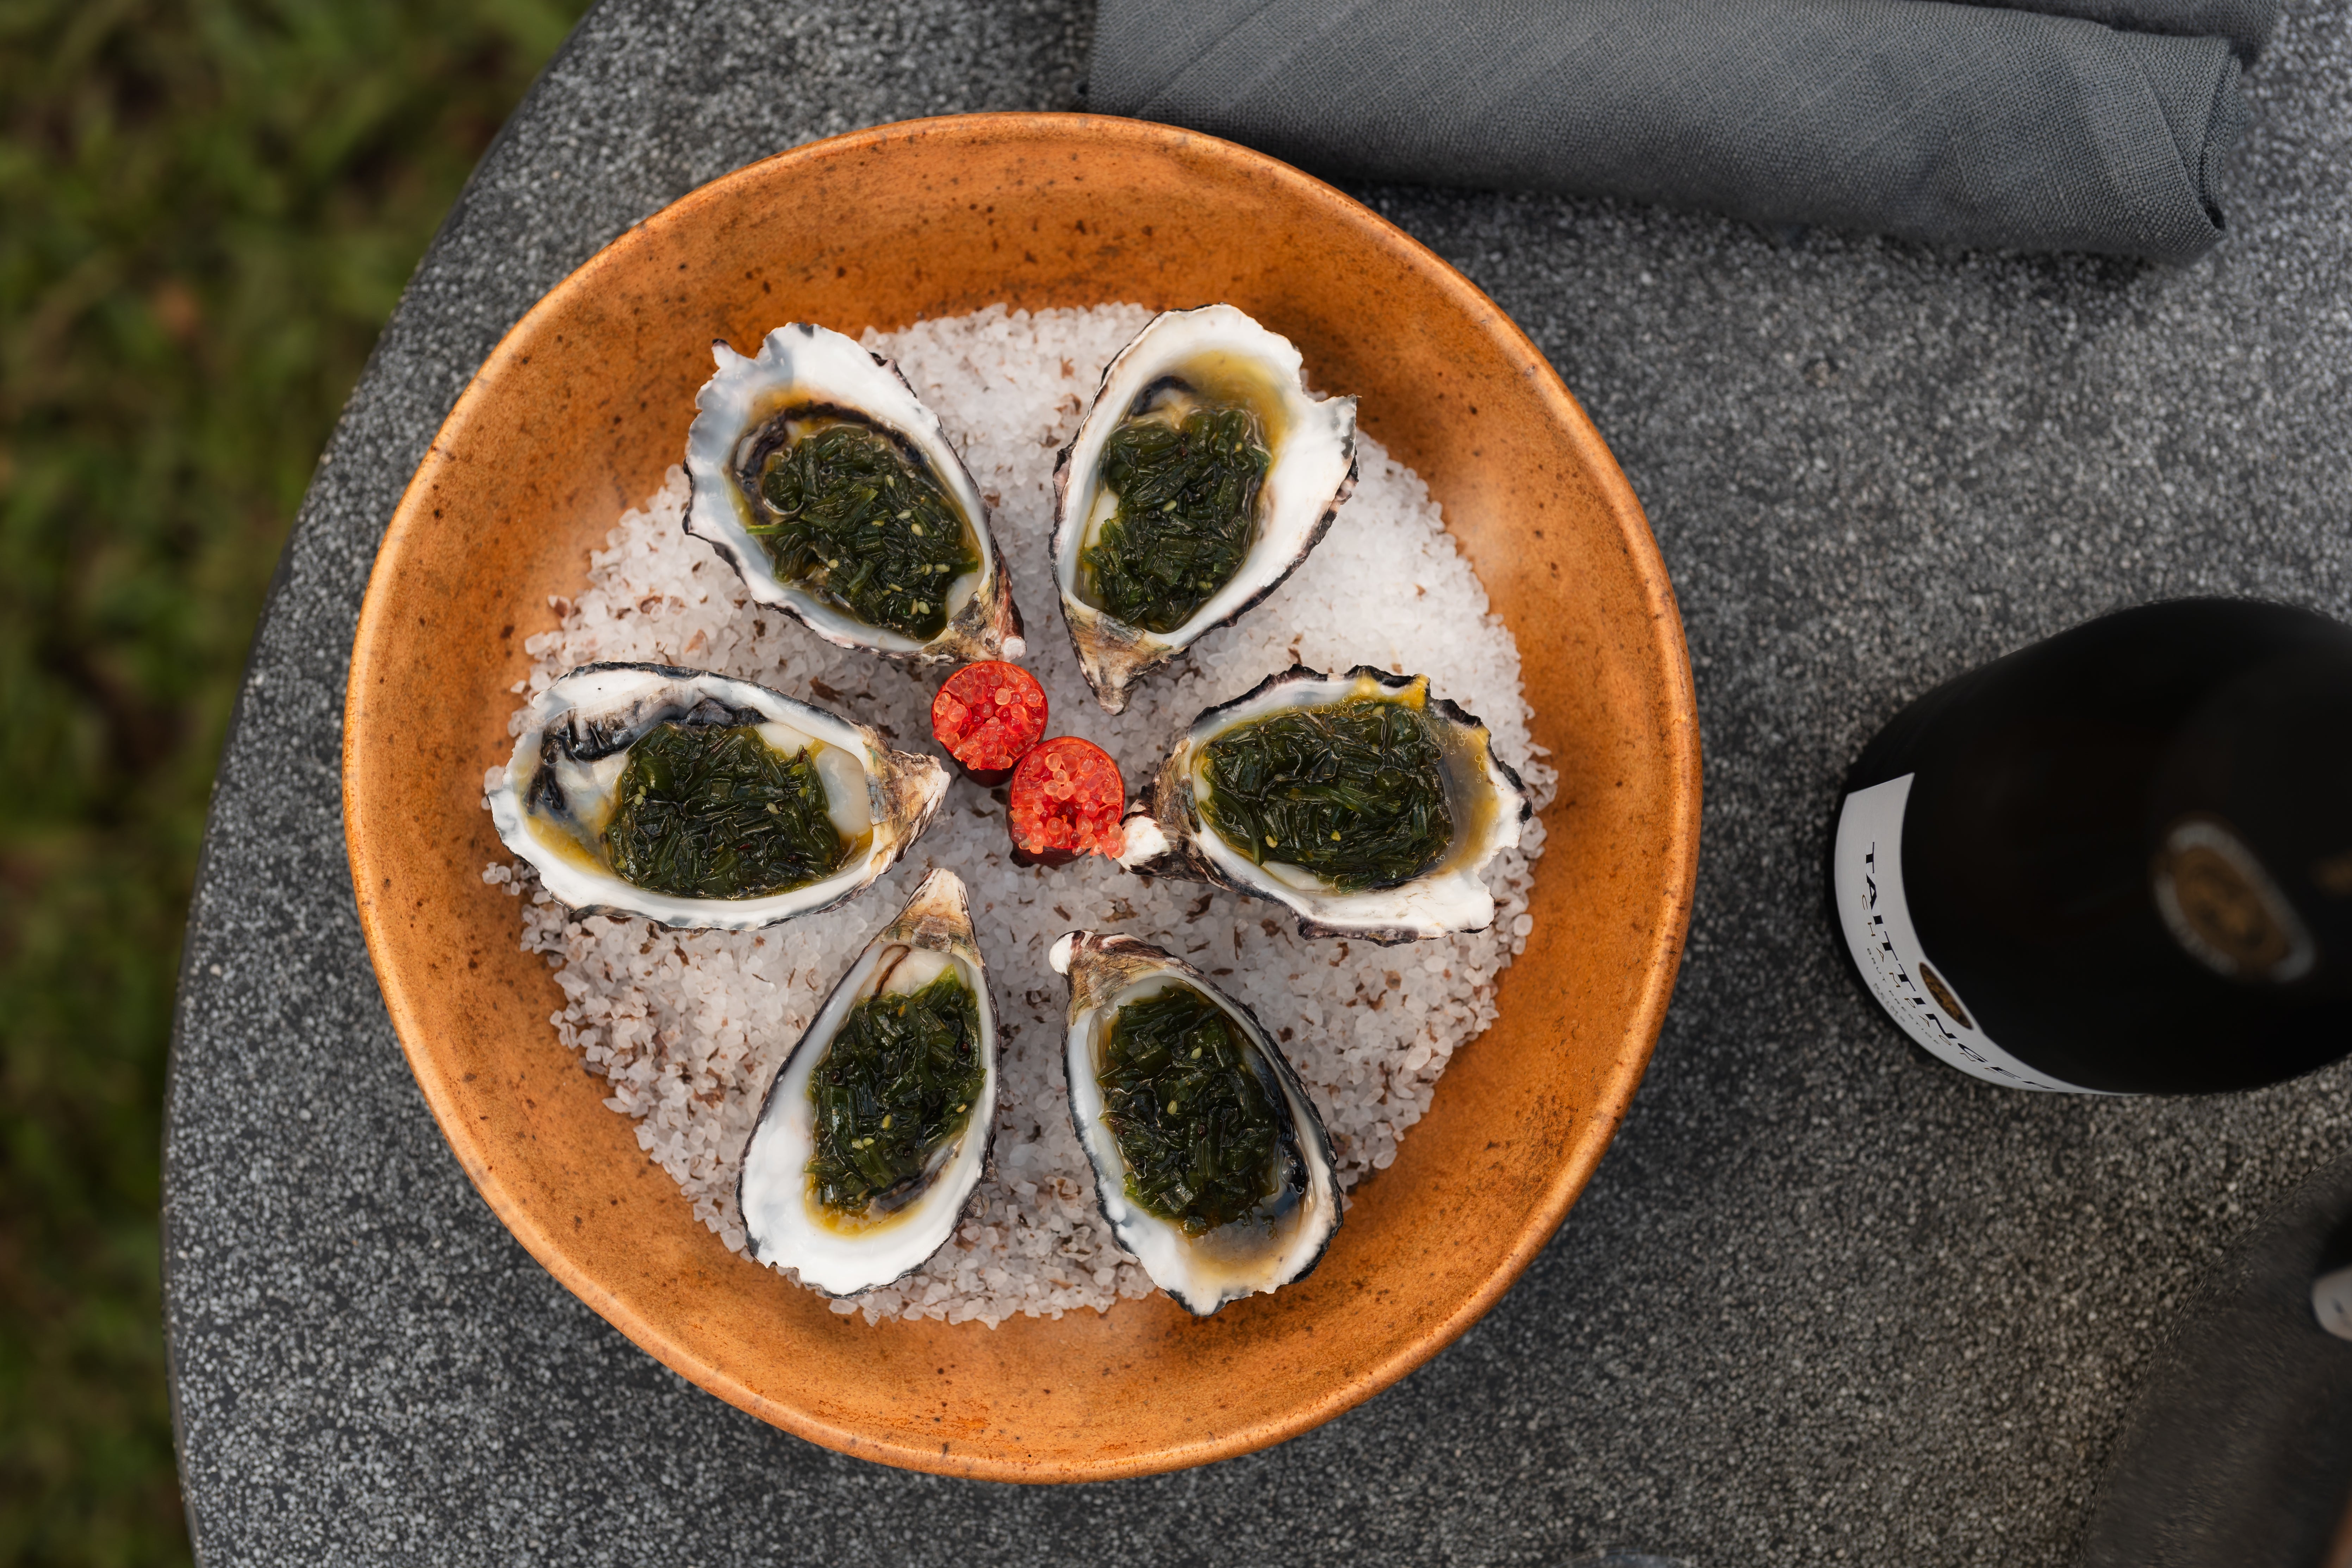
{"points": [[207, 209]]}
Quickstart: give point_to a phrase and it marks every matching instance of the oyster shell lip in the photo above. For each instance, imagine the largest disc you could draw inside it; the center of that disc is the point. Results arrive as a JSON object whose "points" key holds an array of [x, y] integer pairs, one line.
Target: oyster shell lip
{"points": [[603, 707], [771, 1188], [1166, 835], [1102, 969], [1313, 474], [801, 361]]}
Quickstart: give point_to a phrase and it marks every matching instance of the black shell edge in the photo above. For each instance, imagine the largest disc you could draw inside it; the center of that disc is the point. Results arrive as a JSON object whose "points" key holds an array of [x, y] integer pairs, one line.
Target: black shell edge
{"points": [[917, 827], [1115, 701], [1455, 711], [1118, 942], [683, 672], [1183, 862], [987, 639], [975, 645], [783, 1068]]}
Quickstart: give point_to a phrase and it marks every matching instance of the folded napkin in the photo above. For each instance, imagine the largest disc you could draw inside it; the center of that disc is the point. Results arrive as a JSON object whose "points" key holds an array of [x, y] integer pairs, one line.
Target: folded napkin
{"points": [[1975, 125], [2247, 23]]}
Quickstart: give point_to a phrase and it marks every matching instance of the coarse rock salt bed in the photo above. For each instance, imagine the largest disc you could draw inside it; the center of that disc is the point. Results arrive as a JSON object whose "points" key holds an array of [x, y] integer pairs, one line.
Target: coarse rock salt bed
{"points": [[686, 1029]]}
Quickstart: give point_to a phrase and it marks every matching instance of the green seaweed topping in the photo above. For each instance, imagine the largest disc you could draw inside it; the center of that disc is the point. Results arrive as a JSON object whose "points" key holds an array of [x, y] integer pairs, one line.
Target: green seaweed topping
{"points": [[896, 1084], [712, 811], [1194, 1123], [1187, 509], [1354, 793], [848, 517]]}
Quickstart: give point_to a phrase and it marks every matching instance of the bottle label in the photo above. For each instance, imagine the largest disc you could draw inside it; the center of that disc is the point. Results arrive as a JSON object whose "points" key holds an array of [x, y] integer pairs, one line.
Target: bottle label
{"points": [[1868, 882]]}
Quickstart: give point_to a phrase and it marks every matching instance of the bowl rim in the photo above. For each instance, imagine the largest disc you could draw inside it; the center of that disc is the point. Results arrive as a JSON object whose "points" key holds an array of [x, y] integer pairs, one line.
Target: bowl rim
{"points": [[1679, 801]]}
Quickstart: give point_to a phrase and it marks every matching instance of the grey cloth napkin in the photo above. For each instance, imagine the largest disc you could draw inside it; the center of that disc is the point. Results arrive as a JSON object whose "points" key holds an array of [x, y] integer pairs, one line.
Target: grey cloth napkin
{"points": [[2247, 23], [1958, 125]]}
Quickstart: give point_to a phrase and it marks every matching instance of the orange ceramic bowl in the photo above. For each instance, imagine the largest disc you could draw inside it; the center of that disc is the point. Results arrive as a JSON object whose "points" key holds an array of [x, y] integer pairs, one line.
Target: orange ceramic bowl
{"points": [[576, 416]]}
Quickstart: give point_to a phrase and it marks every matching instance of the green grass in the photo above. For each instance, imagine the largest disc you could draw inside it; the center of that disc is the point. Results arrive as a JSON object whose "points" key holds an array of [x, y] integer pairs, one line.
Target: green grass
{"points": [[206, 212]]}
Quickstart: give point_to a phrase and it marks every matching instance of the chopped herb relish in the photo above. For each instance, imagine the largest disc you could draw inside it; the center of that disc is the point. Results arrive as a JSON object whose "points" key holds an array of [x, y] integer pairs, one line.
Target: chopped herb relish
{"points": [[1354, 793], [1195, 1124], [846, 515], [1187, 509], [898, 1081], [712, 811]]}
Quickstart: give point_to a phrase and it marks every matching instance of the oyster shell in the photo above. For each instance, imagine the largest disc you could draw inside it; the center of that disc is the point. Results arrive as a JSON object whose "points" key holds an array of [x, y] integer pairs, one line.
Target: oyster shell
{"points": [[1279, 1240], [560, 792], [884, 1234], [806, 379], [1185, 360], [1168, 836]]}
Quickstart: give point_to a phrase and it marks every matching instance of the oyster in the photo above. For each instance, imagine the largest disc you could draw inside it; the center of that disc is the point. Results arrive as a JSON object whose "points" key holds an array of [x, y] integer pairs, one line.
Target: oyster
{"points": [[695, 800], [876, 1128], [1200, 477], [1365, 807], [838, 499], [1210, 1162]]}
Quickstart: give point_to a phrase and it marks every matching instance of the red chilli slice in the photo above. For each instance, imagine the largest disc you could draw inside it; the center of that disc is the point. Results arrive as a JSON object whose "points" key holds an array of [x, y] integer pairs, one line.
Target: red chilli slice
{"points": [[987, 717], [1067, 798]]}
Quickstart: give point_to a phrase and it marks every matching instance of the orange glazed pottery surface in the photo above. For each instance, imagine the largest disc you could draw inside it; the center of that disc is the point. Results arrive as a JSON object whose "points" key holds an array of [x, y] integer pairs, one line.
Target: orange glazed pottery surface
{"points": [[577, 414]]}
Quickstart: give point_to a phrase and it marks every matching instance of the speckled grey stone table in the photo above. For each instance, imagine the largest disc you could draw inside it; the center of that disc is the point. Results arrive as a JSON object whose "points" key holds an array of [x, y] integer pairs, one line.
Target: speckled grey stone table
{"points": [[1820, 1303]]}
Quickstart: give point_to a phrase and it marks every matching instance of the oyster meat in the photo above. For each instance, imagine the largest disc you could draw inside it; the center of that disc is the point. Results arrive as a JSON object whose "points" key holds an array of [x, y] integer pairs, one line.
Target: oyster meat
{"points": [[1365, 807], [1200, 477], [838, 499], [1210, 1162], [696, 800], [876, 1128]]}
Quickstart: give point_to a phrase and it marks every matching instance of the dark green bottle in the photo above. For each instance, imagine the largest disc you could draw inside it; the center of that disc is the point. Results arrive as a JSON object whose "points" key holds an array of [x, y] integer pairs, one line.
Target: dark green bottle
{"points": [[2118, 862]]}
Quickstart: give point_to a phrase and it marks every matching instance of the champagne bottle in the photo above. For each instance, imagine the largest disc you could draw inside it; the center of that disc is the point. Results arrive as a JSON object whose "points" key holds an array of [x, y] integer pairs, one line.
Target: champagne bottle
{"points": [[2118, 861]]}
